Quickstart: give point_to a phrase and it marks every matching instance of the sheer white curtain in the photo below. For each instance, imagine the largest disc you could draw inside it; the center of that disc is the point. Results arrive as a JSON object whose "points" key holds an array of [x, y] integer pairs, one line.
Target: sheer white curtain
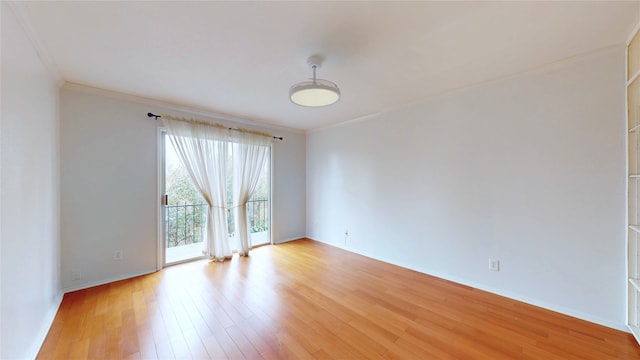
{"points": [[203, 149], [249, 154]]}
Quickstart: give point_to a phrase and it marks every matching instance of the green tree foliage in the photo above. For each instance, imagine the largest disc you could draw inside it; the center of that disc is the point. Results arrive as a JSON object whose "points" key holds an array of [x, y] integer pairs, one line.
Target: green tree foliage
{"points": [[180, 188], [186, 211]]}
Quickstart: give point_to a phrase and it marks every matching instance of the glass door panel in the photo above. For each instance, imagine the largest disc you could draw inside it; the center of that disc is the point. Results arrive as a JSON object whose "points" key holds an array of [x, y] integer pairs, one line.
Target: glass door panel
{"points": [[185, 212]]}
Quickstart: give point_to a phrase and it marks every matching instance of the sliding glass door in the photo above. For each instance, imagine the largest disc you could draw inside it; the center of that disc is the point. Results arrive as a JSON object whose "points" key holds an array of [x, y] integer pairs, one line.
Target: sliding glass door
{"points": [[184, 210]]}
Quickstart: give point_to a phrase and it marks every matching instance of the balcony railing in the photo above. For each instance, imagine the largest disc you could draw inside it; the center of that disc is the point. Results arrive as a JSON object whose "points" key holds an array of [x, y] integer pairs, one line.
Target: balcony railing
{"points": [[186, 223]]}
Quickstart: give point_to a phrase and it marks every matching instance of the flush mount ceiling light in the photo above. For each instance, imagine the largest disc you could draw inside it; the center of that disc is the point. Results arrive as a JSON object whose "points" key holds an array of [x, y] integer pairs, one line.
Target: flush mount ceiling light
{"points": [[314, 92]]}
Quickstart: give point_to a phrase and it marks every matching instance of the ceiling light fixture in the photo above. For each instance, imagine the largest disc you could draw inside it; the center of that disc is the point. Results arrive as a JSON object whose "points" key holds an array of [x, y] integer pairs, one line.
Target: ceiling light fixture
{"points": [[314, 92]]}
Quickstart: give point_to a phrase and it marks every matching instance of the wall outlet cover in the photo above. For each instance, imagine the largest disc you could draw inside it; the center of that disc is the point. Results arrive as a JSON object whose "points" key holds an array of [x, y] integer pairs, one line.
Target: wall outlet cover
{"points": [[494, 265]]}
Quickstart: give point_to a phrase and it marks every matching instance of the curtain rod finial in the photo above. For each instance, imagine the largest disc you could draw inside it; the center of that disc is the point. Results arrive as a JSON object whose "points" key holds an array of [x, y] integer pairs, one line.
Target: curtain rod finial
{"points": [[153, 115]]}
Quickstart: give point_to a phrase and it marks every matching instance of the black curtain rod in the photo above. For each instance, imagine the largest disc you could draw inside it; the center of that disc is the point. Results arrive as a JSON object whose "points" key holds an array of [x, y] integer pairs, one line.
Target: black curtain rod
{"points": [[159, 116]]}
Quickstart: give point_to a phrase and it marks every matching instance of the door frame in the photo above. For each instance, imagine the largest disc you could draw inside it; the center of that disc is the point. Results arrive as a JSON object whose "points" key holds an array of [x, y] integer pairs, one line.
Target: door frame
{"points": [[161, 191], [160, 248]]}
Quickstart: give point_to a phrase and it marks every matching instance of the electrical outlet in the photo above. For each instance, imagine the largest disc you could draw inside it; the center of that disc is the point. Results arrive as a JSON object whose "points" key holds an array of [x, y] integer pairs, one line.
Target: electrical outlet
{"points": [[494, 265], [117, 255], [75, 275]]}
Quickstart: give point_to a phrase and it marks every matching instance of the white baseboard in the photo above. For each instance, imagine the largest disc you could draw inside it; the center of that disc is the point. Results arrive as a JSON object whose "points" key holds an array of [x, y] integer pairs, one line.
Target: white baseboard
{"points": [[287, 240], [501, 292], [46, 325], [106, 281]]}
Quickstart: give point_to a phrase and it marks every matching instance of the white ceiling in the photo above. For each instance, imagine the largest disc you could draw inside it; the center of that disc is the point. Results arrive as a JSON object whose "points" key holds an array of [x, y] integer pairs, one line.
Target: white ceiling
{"points": [[240, 58]]}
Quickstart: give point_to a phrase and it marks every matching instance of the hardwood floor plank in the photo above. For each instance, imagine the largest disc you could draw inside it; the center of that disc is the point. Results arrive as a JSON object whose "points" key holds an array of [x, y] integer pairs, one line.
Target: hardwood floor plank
{"points": [[214, 349], [146, 343], [307, 300], [268, 330], [421, 349], [362, 342], [226, 343], [129, 333], [174, 335], [292, 349], [79, 349], [256, 339], [134, 356], [161, 338], [98, 341], [195, 345], [112, 345], [245, 346]]}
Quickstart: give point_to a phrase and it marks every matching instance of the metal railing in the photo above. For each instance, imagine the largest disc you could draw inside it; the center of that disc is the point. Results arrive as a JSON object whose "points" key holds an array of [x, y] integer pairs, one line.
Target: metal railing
{"points": [[186, 223]]}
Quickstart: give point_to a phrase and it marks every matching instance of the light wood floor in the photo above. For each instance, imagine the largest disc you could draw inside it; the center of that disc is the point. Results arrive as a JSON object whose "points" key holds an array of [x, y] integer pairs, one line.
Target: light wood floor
{"points": [[305, 300]]}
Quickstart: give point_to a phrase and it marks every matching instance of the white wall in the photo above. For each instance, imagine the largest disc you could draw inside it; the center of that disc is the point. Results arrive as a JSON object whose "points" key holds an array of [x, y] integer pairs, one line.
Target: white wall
{"points": [[109, 184], [30, 261], [289, 187], [529, 170]]}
